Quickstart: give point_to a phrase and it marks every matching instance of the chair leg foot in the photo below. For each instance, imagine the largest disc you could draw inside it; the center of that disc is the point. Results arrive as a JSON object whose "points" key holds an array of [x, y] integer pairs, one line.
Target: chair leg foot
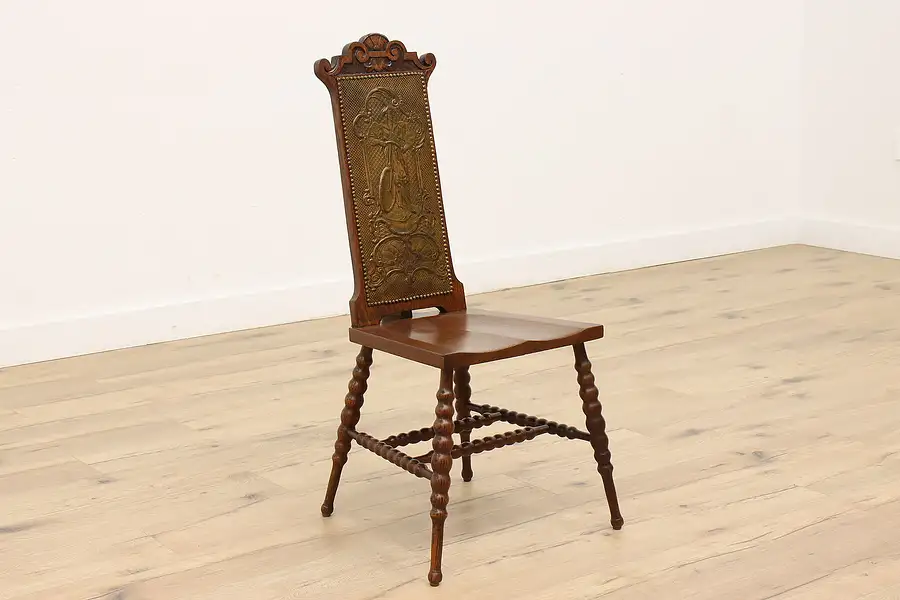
{"points": [[463, 392], [609, 486], [596, 426], [353, 402], [441, 463]]}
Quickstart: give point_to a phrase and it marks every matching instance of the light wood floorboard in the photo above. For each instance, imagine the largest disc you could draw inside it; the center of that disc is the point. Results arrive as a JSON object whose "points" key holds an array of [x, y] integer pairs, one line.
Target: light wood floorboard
{"points": [[753, 402]]}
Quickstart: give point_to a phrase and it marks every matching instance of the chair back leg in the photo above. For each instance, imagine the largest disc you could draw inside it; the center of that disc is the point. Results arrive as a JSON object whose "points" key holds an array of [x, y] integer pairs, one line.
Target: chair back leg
{"points": [[463, 392]]}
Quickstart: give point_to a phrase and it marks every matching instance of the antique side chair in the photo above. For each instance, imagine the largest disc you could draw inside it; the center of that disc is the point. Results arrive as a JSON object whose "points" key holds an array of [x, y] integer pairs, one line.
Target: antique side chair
{"points": [[401, 263]]}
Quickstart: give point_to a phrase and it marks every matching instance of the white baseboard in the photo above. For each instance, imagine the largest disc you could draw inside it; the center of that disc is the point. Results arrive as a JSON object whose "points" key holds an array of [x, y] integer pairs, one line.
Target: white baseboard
{"points": [[851, 237], [608, 257], [149, 325], [97, 333]]}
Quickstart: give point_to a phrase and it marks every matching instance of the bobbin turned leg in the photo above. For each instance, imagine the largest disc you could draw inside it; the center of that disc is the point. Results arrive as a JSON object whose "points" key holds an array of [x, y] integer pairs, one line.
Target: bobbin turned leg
{"points": [[441, 462], [353, 402], [463, 393], [596, 426]]}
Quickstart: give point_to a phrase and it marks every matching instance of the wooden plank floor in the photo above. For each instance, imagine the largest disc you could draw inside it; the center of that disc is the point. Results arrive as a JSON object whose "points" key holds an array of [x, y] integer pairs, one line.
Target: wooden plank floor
{"points": [[754, 407]]}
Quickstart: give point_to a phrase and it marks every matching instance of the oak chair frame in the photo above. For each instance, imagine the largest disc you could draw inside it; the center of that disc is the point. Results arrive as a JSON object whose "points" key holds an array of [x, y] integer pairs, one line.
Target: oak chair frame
{"points": [[374, 56]]}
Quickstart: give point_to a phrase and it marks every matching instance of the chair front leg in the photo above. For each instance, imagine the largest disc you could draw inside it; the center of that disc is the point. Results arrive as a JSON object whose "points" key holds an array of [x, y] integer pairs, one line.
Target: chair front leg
{"points": [[463, 393], [353, 402], [596, 426], [441, 463]]}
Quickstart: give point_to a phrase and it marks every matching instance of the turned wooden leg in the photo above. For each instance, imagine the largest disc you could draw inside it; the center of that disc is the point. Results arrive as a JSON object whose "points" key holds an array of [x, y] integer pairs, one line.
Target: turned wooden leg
{"points": [[353, 402], [441, 462], [463, 393], [596, 426]]}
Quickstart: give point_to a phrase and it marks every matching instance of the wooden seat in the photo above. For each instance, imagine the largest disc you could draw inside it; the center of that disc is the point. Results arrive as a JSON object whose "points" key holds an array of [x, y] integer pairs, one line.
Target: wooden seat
{"points": [[402, 263], [470, 337]]}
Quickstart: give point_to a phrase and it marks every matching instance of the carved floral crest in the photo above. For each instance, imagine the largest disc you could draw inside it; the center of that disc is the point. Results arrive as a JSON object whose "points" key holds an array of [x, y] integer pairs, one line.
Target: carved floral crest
{"points": [[373, 53]]}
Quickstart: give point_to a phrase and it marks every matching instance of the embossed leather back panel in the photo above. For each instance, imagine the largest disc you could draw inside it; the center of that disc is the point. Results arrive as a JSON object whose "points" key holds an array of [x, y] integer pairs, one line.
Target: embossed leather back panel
{"points": [[397, 202]]}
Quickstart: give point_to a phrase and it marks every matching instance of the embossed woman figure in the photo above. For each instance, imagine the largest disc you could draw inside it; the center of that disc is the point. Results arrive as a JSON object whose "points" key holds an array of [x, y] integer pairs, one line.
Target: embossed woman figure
{"points": [[399, 135]]}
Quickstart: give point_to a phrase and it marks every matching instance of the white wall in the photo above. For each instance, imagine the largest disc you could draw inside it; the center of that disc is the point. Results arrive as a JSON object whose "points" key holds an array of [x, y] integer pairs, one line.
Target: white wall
{"points": [[851, 125], [168, 168]]}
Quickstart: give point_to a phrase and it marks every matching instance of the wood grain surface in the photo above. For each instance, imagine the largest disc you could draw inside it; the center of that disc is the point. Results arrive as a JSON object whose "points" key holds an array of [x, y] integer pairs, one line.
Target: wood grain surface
{"points": [[753, 402]]}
